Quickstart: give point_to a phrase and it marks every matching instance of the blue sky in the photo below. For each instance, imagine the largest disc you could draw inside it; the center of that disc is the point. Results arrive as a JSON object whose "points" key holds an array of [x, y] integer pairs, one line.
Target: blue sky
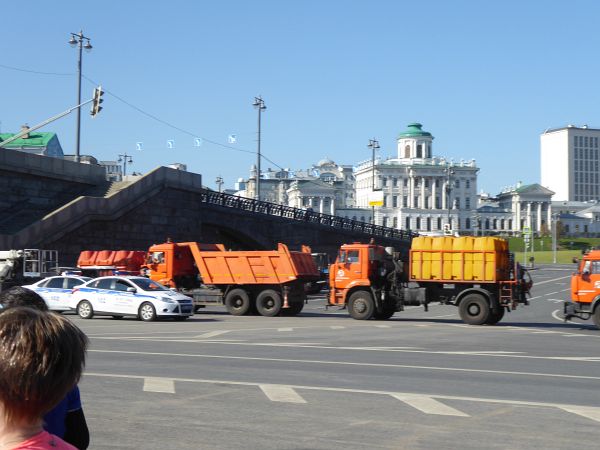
{"points": [[485, 78]]}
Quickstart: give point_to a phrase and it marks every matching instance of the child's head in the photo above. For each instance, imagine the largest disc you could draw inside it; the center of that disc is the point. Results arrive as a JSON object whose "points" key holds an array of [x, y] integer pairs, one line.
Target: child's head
{"points": [[20, 296], [42, 356]]}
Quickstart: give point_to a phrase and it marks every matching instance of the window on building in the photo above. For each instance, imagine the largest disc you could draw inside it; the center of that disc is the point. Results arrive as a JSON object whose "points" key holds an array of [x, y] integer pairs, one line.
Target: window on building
{"points": [[426, 182], [428, 223], [419, 153], [394, 201], [439, 223], [456, 183], [467, 184], [495, 224], [468, 202], [408, 223], [405, 201], [457, 202], [468, 223], [395, 182], [407, 151], [416, 201], [418, 223], [405, 182], [385, 219], [487, 224]]}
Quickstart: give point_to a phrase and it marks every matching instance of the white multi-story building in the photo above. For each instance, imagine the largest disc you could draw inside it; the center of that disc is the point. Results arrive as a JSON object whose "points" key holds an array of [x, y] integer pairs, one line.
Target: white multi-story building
{"points": [[421, 192], [569, 163]]}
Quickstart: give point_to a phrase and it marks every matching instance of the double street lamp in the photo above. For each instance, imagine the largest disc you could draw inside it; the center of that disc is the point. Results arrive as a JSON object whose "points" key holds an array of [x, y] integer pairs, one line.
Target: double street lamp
{"points": [[259, 104], [81, 42], [373, 145], [125, 159]]}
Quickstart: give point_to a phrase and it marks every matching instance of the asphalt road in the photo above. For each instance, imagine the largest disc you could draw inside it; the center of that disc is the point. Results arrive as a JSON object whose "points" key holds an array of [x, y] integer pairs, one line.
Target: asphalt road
{"points": [[421, 380]]}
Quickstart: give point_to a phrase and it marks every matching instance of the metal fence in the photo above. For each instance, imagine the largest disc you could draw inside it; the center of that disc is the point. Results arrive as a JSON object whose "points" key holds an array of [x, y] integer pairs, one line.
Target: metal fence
{"points": [[302, 215]]}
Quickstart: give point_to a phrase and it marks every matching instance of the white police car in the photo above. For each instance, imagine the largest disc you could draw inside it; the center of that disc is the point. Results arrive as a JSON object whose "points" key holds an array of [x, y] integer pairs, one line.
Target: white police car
{"points": [[120, 296], [56, 291]]}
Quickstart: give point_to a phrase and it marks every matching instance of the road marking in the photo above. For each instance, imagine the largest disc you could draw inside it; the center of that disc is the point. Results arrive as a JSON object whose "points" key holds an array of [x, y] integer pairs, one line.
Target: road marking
{"points": [[211, 334], [551, 293], [429, 405], [285, 329], [336, 327], [555, 300], [348, 363], [551, 280], [589, 412], [439, 317], [166, 385], [278, 393], [382, 326]]}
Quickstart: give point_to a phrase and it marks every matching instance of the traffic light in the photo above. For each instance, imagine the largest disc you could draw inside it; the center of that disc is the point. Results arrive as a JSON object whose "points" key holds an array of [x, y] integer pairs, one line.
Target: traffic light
{"points": [[97, 99]]}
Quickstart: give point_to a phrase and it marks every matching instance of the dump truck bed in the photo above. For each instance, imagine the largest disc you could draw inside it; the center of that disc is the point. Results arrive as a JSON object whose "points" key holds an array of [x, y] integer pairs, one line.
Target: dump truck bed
{"points": [[254, 267], [459, 259]]}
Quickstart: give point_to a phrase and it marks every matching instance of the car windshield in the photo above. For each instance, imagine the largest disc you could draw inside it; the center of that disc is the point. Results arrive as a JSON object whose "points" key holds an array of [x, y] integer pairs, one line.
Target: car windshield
{"points": [[147, 284]]}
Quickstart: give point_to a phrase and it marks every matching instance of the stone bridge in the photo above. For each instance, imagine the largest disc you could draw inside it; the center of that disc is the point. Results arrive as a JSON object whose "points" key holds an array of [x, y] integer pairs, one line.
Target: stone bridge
{"points": [[171, 203]]}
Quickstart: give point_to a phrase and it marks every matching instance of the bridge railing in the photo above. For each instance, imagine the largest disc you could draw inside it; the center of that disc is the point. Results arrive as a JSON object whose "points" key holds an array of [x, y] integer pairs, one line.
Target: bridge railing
{"points": [[288, 212]]}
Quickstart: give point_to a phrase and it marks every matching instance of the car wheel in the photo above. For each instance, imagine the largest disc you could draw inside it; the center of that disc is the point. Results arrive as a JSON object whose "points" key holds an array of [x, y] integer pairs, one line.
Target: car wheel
{"points": [[237, 302], [85, 309], [361, 305], [269, 303], [474, 309], [147, 312]]}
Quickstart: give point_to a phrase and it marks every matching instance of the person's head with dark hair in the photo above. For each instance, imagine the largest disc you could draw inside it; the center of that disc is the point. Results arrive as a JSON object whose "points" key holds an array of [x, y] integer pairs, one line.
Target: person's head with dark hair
{"points": [[42, 356], [20, 296]]}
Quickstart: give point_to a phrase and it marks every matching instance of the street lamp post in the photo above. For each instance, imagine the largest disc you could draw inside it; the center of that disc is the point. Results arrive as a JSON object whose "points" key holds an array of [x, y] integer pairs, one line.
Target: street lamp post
{"points": [[554, 226], [77, 40], [125, 159], [373, 145], [260, 105], [219, 182], [449, 172]]}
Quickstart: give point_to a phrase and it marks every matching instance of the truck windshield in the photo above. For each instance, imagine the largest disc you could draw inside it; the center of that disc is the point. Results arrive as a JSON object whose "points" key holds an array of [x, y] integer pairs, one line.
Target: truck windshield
{"points": [[348, 256]]}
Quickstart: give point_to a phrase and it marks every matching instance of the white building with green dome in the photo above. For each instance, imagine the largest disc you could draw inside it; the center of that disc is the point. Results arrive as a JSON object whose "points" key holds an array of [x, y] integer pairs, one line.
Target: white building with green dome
{"points": [[421, 192]]}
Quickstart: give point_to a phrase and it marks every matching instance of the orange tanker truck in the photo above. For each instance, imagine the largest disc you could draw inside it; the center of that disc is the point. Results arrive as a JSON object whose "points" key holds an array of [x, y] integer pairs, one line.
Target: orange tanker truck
{"points": [[269, 282], [476, 274]]}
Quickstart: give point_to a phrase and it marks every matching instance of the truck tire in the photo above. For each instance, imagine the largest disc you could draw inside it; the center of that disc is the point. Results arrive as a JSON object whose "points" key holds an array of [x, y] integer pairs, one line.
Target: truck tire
{"points": [[496, 316], [596, 316], [269, 303], [474, 309], [237, 302], [361, 305], [388, 311], [293, 310]]}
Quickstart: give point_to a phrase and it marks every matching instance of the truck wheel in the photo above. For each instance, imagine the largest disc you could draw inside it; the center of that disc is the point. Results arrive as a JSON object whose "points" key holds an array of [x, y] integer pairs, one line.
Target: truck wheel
{"points": [[388, 311], [237, 302], [474, 309], [596, 316], [361, 305], [495, 317], [85, 309], [147, 313], [268, 303], [293, 310]]}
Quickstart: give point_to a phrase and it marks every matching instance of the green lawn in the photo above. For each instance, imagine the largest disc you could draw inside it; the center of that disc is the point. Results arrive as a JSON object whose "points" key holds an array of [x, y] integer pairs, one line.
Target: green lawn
{"points": [[547, 257]]}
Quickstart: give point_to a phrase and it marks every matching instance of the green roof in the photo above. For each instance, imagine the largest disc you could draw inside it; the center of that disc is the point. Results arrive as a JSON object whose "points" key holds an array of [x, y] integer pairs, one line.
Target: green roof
{"points": [[414, 130], [34, 140]]}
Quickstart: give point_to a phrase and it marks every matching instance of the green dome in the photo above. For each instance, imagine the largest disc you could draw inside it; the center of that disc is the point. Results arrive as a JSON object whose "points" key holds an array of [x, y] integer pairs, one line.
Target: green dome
{"points": [[414, 130]]}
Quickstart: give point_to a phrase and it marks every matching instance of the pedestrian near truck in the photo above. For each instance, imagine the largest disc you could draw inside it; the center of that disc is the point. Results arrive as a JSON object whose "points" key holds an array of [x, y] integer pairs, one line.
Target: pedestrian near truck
{"points": [[66, 420]]}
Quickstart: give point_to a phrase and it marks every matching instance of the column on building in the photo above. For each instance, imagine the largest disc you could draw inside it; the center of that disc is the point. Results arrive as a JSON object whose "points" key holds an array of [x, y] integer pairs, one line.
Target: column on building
{"points": [[422, 199], [311, 202], [433, 193], [299, 201], [411, 191], [321, 204], [538, 227], [517, 215], [528, 221], [332, 205], [549, 215], [444, 196]]}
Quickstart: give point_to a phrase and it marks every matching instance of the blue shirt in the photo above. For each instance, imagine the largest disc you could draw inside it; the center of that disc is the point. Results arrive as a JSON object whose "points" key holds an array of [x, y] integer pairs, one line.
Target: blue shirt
{"points": [[54, 420]]}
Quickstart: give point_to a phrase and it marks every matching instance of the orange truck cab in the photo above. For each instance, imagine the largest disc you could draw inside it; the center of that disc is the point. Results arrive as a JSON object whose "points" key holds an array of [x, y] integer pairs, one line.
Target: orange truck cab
{"points": [[585, 290]]}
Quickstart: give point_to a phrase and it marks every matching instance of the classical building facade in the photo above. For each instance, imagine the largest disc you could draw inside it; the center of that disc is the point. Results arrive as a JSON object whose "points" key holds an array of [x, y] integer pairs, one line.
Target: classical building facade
{"points": [[421, 192], [570, 162]]}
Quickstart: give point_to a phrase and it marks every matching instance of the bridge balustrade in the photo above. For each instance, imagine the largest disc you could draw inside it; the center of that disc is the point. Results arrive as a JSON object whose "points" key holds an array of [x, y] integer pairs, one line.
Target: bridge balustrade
{"points": [[288, 212]]}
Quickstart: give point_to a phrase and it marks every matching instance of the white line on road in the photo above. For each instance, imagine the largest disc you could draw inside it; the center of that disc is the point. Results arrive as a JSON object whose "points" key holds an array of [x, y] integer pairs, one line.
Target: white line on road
{"points": [[166, 385], [356, 364], [211, 334], [590, 412], [285, 329], [279, 393], [382, 326], [428, 405], [551, 293], [336, 327], [551, 280]]}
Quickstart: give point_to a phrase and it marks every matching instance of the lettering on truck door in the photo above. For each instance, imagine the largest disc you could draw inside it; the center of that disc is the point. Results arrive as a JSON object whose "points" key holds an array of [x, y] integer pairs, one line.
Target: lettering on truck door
{"points": [[589, 282], [349, 268]]}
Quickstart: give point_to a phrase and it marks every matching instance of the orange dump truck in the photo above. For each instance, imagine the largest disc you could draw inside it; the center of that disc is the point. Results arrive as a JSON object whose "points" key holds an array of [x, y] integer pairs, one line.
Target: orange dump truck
{"points": [[585, 289], [476, 274], [267, 281]]}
